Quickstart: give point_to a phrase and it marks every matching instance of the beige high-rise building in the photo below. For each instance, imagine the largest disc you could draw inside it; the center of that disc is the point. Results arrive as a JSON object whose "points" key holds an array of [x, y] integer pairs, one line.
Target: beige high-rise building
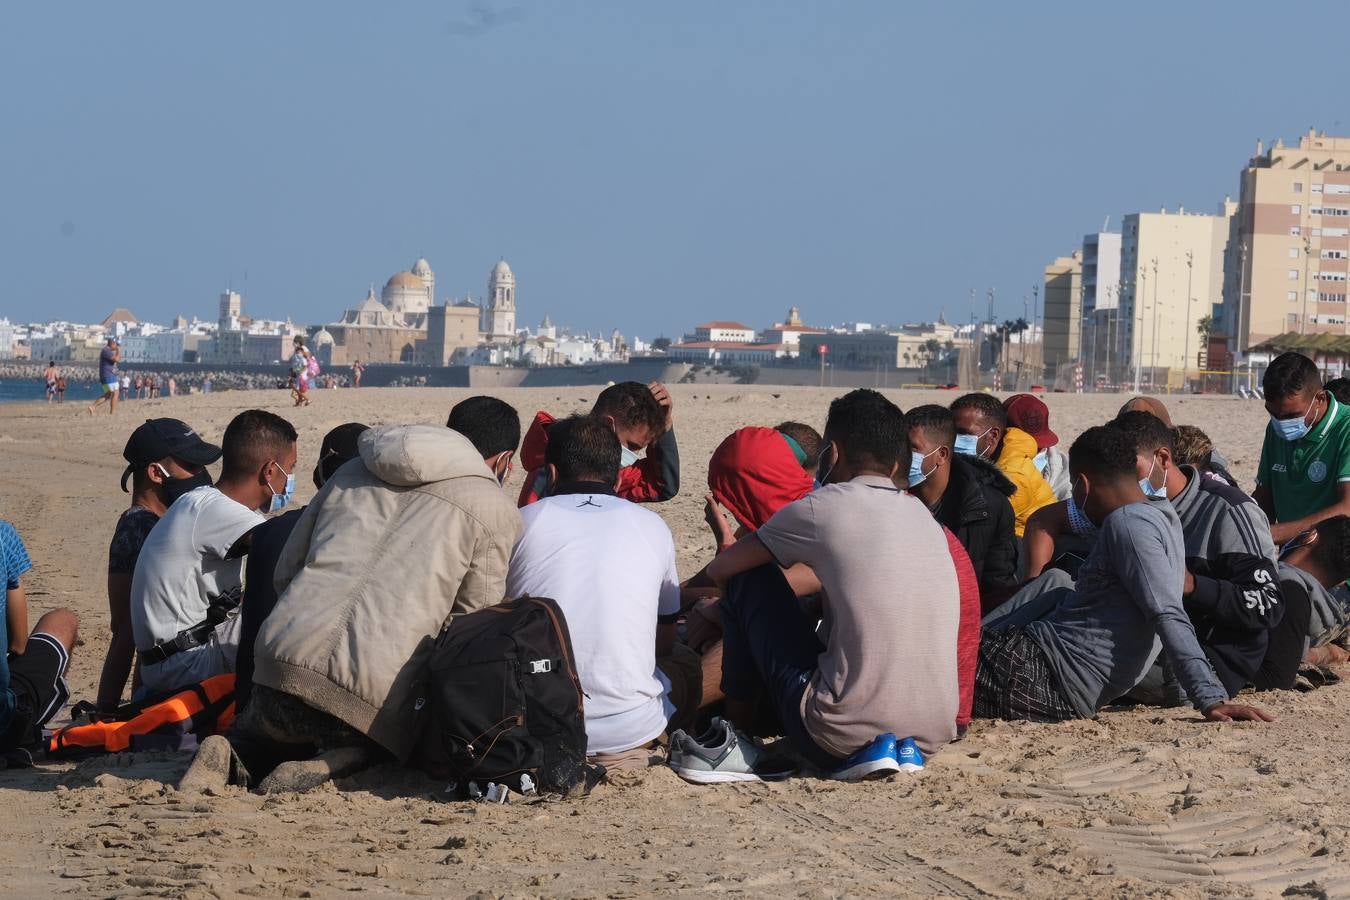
{"points": [[1063, 313], [1171, 275], [1288, 271]]}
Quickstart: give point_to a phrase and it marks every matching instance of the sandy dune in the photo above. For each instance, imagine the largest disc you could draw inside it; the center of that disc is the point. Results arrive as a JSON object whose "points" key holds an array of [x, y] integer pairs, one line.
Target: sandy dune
{"points": [[1130, 803]]}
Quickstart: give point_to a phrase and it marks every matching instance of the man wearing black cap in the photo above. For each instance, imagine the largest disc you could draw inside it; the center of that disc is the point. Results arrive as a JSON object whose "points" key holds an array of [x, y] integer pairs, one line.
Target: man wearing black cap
{"points": [[165, 459], [339, 447]]}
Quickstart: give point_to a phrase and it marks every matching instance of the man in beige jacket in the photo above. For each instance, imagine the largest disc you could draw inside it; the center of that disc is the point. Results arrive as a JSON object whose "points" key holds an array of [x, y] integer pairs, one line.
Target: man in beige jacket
{"points": [[387, 553]]}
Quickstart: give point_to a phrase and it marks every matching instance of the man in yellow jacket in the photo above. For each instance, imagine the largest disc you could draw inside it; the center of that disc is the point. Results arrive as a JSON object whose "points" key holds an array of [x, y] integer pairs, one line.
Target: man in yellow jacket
{"points": [[982, 430]]}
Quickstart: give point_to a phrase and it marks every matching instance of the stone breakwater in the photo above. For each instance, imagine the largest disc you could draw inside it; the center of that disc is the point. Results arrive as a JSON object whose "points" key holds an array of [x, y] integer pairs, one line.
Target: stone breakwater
{"points": [[186, 381]]}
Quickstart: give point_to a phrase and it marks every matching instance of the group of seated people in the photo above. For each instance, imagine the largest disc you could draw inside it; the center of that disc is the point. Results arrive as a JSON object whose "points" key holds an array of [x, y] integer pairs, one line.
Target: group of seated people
{"points": [[874, 586]]}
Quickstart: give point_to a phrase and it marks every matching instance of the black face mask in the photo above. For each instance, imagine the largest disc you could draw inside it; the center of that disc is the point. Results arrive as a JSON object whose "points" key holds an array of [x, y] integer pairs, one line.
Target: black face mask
{"points": [[174, 488]]}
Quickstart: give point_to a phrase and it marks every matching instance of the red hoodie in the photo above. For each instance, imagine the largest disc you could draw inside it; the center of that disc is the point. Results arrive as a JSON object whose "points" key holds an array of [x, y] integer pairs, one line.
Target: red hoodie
{"points": [[651, 480], [754, 473]]}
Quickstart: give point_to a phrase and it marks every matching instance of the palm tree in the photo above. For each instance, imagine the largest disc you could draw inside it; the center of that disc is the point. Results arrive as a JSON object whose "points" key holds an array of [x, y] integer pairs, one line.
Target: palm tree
{"points": [[1205, 327]]}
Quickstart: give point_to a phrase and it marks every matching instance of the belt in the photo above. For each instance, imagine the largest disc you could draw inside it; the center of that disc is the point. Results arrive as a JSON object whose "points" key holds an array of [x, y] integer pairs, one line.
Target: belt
{"points": [[186, 639], [218, 610]]}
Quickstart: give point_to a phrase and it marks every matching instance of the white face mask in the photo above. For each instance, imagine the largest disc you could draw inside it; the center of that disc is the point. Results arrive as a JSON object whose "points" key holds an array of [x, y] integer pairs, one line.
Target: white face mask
{"points": [[627, 457]]}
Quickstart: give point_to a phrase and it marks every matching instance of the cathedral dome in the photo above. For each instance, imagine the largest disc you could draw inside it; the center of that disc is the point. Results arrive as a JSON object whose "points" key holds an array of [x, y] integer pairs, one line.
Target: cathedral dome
{"points": [[422, 269], [502, 271], [405, 280]]}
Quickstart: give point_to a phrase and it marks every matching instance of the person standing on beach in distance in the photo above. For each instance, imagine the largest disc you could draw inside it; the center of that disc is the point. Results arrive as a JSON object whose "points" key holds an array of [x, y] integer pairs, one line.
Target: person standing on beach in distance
{"points": [[108, 377], [32, 666], [165, 459], [49, 376], [185, 590], [1304, 473], [61, 388], [357, 370], [300, 371]]}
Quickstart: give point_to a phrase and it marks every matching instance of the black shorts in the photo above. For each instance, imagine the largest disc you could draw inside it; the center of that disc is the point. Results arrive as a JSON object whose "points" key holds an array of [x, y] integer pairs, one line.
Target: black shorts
{"points": [[37, 678]]}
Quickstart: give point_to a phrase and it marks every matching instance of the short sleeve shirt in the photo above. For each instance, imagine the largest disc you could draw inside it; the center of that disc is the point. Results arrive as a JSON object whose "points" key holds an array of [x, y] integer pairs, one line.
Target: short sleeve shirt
{"points": [[15, 556], [107, 366], [185, 562], [1305, 475], [15, 562], [612, 611], [132, 530], [891, 613]]}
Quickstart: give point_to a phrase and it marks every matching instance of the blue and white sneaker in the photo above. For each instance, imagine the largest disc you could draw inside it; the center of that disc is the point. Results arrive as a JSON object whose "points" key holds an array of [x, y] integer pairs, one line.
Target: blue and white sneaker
{"points": [[910, 756], [877, 760]]}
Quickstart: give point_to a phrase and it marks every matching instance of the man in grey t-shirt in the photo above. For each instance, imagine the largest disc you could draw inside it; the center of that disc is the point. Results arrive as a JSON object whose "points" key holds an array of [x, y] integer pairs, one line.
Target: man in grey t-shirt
{"points": [[1066, 653], [884, 660]]}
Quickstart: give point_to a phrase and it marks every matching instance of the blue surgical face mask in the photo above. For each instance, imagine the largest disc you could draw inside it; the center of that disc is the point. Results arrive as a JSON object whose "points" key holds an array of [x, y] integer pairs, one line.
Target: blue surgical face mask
{"points": [[1146, 484], [917, 475], [1041, 460], [280, 500], [1293, 429], [627, 457], [969, 444], [1079, 523]]}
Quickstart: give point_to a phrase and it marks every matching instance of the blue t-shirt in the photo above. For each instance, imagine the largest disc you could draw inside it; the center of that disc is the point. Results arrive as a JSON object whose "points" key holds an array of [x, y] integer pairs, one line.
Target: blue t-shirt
{"points": [[14, 562], [107, 365]]}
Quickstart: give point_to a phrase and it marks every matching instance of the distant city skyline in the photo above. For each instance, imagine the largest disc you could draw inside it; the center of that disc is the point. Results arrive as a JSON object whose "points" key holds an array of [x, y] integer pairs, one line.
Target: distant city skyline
{"points": [[643, 167]]}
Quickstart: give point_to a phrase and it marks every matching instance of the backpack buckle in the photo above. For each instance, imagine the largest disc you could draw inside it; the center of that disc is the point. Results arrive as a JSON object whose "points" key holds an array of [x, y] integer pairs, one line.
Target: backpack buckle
{"points": [[541, 666]]}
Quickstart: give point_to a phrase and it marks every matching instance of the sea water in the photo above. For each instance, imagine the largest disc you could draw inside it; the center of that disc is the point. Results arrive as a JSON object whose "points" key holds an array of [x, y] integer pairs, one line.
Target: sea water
{"points": [[27, 389]]}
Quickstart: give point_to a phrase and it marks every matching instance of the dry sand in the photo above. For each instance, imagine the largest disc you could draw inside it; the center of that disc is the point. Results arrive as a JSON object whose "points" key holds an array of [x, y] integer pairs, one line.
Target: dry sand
{"points": [[1130, 803]]}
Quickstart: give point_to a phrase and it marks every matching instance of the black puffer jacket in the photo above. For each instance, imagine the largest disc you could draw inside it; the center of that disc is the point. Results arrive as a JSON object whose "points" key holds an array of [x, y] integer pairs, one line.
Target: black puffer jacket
{"points": [[975, 508]]}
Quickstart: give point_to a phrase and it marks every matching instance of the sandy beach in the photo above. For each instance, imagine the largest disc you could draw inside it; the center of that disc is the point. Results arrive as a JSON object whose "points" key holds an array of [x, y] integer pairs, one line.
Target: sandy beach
{"points": [[1130, 803]]}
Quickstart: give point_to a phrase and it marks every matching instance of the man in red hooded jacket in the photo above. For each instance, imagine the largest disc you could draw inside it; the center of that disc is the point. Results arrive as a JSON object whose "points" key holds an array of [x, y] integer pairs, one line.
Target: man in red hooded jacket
{"points": [[641, 415]]}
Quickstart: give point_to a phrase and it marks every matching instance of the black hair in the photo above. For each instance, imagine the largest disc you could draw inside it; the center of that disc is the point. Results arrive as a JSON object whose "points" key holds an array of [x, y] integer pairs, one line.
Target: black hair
{"points": [[1103, 451], [491, 425], [986, 405], [339, 447], [871, 430], [1147, 430], [254, 438], [935, 421], [631, 405], [584, 448], [1338, 388], [807, 438], [1289, 373], [1332, 548]]}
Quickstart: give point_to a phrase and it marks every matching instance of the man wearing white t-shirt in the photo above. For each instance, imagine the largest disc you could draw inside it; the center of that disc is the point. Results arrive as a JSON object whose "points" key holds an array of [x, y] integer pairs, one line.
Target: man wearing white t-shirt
{"points": [[185, 590], [610, 565]]}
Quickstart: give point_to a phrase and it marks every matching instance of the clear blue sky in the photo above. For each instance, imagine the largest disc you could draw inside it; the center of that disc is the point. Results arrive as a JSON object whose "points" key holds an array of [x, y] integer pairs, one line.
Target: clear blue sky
{"points": [[641, 165]]}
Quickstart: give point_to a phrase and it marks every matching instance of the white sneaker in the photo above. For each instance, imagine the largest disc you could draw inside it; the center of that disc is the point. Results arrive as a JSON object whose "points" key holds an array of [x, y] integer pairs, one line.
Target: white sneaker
{"points": [[723, 754]]}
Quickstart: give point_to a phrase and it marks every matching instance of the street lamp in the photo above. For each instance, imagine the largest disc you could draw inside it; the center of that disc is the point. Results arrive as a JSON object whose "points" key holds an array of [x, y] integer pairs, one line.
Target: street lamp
{"points": [[1153, 372], [1138, 347], [1307, 252], [1186, 360]]}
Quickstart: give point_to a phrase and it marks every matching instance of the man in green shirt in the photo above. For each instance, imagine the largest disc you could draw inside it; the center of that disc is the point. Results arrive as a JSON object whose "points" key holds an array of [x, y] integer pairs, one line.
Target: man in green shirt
{"points": [[1304, 474]]}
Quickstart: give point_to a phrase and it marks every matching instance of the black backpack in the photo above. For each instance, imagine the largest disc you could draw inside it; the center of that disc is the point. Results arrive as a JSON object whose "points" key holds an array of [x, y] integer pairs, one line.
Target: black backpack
{"points": [[502, 700]]}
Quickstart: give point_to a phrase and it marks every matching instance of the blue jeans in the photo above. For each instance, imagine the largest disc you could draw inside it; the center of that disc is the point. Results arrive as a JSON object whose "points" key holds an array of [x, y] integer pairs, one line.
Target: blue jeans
{"points": [[769, 645]]}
